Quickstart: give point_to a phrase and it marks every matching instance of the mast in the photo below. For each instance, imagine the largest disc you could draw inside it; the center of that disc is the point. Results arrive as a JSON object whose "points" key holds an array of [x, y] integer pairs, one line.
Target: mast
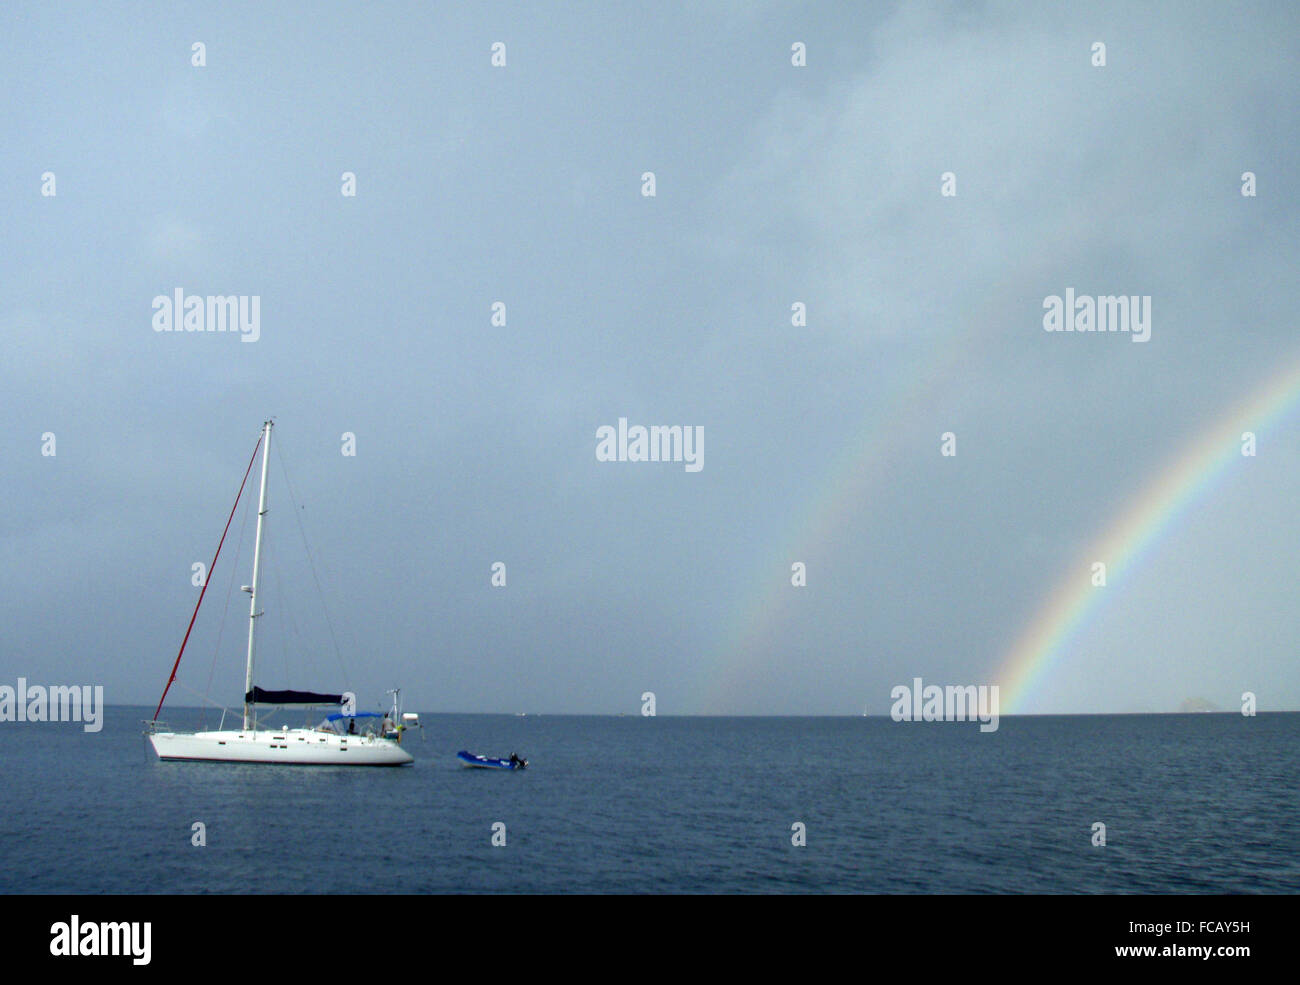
{"points": [[250, 720]]}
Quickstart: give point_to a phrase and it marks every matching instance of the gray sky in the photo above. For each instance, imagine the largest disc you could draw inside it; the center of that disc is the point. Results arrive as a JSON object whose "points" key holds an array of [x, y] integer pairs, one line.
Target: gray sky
{"points": [[476, 443]]}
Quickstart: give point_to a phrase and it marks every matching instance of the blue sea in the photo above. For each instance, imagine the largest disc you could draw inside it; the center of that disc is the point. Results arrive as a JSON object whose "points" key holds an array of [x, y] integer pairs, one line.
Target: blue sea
{"points": [[1204, 803]]}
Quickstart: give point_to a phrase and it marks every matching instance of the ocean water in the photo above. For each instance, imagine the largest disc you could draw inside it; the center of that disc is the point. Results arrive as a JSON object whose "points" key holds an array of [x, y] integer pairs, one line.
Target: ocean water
{"points": [[1191, 804]]}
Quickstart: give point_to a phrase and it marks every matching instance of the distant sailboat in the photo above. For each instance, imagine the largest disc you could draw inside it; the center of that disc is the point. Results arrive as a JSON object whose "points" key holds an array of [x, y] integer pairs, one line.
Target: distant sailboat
{"points": [[253, 743]]}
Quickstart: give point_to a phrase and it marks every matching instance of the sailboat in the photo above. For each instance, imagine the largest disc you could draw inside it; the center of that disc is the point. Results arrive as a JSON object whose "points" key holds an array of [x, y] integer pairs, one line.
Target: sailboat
{"points": [[324, 745]]}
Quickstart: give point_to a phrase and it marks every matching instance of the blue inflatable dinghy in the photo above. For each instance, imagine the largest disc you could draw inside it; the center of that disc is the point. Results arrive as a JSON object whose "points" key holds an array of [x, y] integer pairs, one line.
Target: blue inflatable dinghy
{"points": [[487, 763]]}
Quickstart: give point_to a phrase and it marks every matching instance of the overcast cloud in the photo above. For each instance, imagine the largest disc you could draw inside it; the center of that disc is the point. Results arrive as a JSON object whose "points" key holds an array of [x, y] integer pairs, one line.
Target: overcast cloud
{"points": [[476, 443]]}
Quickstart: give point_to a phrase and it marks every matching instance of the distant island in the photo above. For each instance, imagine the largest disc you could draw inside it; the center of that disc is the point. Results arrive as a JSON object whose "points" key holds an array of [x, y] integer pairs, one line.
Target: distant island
{"points": [[1197, 704]]}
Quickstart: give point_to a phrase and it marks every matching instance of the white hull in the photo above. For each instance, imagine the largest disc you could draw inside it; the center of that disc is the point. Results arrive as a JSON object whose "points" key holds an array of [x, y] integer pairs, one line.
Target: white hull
{"points": [[295, 746]]}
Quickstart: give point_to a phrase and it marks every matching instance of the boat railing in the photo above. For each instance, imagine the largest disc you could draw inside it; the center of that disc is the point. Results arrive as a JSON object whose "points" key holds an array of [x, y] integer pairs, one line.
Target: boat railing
{"points": [[152, 725]]}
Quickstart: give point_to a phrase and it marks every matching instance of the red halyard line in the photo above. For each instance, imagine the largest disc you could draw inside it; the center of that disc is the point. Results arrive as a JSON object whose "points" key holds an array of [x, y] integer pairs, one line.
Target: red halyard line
{"points": [[207, 579]]}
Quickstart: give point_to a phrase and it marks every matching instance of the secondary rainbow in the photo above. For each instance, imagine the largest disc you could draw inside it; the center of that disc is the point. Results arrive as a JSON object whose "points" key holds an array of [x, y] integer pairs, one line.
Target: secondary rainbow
{"points": [[866, 458]]}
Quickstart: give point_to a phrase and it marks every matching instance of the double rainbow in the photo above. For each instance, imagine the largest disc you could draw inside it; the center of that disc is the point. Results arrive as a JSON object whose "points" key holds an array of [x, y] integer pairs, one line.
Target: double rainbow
{"points": [[1041, 646]]}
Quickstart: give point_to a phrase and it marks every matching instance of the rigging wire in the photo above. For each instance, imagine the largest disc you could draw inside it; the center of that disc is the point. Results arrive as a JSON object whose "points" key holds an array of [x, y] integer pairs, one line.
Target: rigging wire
{"points": [[286, 624], [225, 612], [283, 631], [292, 636], [297, 512], [203, 697], [208, 579]]}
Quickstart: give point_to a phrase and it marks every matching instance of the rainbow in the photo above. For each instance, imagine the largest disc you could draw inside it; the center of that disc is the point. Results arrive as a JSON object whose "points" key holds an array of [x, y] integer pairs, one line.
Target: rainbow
{"points": [[1042, 645], [866, 458], [1150, 515]]}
